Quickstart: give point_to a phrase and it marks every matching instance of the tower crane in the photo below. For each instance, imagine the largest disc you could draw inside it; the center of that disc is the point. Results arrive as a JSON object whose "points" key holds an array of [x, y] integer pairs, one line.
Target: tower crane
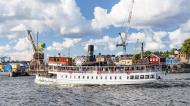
{"points": [[124, 39]]}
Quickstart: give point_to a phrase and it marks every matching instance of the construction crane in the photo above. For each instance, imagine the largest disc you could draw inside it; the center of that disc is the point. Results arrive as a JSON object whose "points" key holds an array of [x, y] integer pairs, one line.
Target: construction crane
{"points": [[124, 39], [38, 57], [123, 43]]}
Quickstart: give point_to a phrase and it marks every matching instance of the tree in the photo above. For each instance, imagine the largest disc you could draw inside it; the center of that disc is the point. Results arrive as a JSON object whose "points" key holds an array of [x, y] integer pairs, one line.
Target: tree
{"points": [[186, 47], [147, 53], [137, 56]]}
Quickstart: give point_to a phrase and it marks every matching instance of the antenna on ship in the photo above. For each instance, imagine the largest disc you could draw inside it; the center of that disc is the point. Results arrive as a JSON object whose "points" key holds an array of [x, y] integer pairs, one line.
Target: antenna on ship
{"points": [[124, 38]]}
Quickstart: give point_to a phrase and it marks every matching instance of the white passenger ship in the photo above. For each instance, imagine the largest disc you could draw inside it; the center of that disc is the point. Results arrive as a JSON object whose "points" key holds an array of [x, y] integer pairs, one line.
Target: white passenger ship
{"points": [[100, 75]]}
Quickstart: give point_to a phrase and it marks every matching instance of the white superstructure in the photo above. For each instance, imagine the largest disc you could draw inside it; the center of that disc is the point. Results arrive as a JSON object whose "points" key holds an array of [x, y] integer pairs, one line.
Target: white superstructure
{"points": [[104, 75]]}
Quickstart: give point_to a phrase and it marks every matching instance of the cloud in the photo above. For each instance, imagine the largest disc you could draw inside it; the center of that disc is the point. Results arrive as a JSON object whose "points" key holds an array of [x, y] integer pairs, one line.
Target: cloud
{"points": [[22, 44], [108, 42], [177, 37], [4, 48], [153, 41], [159, 14], [63, 17], [67, 43]]}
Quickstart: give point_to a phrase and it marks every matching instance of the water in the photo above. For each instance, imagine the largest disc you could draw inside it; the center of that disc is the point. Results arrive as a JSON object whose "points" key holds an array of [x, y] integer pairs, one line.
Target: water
{"points": [[22, 91]]}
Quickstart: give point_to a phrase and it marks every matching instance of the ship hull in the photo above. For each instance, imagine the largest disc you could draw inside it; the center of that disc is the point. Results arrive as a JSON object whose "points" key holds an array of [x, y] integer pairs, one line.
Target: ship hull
{"points": [[98, 79]]}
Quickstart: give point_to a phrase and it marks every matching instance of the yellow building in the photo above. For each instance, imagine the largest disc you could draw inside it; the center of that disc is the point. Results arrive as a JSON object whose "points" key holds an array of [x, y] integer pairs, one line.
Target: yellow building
{"points": [[126, 62], [100, 58]]}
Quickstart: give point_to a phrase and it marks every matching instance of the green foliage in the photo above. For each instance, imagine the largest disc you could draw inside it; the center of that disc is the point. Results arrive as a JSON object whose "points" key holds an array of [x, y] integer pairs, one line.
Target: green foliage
{"points": [[186, 46], [147, 53], [165, 54], [137, 56]]}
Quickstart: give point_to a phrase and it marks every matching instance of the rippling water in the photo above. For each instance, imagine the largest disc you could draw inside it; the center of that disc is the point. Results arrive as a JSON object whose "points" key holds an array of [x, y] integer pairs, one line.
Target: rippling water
{"points": [[174, 91]]}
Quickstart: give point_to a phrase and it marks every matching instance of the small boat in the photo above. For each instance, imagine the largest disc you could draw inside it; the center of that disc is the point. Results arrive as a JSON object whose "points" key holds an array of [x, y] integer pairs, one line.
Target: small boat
{"points": [[100, 75], [4, 73]]}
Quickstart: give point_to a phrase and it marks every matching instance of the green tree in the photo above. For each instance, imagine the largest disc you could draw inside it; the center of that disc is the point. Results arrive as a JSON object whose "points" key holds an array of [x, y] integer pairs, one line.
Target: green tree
{"points": [[172, 51], [137, 56], [186, 46], [147, 53]]}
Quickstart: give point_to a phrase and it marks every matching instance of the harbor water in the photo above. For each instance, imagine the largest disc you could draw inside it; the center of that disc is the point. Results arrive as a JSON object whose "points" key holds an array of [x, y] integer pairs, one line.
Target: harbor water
{"points": [[22, 91]]}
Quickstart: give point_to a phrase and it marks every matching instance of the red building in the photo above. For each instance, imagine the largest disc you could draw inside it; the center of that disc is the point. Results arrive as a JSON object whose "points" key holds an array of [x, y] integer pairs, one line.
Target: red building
{"points": [[60, 60], [156, 60]]}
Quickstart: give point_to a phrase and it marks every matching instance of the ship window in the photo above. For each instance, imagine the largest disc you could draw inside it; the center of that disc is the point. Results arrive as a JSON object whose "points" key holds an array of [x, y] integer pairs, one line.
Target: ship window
{"points": [[152, 76], [87, 77], [96, 77], [92, 77], [101, 77], [65, 76], [110, 77], [141, 76], [105, 77], [146, 76], [119, 77], [136, 76], [131, 77], [83, 77], [115, 77], [78, 77], [127, 77]]}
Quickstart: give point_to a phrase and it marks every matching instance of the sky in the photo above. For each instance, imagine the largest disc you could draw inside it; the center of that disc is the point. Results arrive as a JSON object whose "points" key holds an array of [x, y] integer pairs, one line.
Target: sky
{"points": [[69, 26]]}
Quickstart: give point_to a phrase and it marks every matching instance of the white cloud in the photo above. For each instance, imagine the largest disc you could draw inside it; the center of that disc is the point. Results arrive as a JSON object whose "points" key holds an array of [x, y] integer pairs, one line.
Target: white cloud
{"points": [[19, 27], [4, 48], [153, 41], [177, 37], [21, 55], [108, 42], [67, 43], [22, 44], [146, 14], [63, 17]]}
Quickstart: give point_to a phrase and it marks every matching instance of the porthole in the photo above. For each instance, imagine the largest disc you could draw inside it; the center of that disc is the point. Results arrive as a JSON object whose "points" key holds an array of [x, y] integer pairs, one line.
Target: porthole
{"points": [[78, 77], [120, 77], [110, 77], [115, 77], [92, 77], [105, 77], [65, 76], [87, 77], [83, 77]]}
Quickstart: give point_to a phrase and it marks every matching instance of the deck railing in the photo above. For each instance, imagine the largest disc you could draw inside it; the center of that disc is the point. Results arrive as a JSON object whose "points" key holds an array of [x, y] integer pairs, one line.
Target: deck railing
{"points": [[105, 69]]}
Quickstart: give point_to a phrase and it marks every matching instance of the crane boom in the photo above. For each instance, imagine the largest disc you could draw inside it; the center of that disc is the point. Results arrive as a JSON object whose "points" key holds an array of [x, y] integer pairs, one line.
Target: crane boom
{"points": [[124, 39], [130, 12], [31, 40]]}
